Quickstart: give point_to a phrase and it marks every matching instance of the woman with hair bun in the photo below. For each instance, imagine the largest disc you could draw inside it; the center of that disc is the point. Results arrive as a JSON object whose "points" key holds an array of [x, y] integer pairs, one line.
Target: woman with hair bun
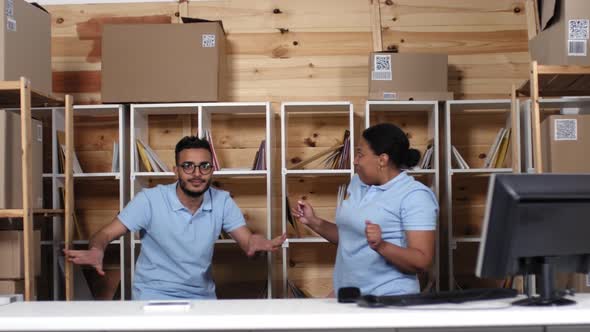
{"points": [[385, 228]]}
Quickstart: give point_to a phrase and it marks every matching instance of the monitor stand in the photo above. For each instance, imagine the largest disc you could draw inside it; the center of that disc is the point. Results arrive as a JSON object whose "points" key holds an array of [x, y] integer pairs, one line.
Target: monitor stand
{"points": [[548, 295]]}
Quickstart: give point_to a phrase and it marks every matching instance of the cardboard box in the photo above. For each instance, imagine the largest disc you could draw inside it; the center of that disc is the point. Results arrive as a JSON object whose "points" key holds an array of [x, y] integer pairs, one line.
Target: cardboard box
{"points": [[11, 161], [8, 287], [565, 141], [25, 44], [564, 33], [163, 62], [581, 283], [405, 76], [12, 264]]}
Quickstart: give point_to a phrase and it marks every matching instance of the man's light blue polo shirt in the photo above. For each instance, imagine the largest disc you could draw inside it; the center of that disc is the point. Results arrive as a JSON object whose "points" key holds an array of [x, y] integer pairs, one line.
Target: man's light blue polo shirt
{"points": [[402, 204], [177, 247]]}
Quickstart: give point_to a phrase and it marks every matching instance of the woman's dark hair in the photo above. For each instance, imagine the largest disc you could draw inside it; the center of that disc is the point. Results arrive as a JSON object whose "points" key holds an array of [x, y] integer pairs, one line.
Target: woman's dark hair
{"points": [[190, 142], [390, 139]]}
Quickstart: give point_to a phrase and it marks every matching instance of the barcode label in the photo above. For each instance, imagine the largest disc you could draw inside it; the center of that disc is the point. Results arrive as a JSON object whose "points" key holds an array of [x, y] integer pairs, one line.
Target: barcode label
{"points": [[10, 24], [381, 76], [566, 129], [10, 8], [577, 47], [390, 95], [208, 41], [39, 133], [578, 29]]}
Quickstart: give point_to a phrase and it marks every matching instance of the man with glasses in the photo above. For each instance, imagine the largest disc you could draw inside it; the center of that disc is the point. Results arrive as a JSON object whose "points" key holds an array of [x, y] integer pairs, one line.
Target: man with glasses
{"points": [[178, 224]]}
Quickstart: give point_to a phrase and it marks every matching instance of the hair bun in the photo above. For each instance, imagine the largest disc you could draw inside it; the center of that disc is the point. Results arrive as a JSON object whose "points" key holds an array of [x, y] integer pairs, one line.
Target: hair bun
{"points": [[413, 158]]}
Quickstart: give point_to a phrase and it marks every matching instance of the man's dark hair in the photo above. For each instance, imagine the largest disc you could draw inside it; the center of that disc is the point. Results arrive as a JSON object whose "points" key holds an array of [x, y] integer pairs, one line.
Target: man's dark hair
{"points": [[190, 142]]}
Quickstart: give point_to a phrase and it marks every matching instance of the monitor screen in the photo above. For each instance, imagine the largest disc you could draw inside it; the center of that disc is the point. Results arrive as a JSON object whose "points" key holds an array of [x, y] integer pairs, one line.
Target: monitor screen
{"points": [[536, 223]]}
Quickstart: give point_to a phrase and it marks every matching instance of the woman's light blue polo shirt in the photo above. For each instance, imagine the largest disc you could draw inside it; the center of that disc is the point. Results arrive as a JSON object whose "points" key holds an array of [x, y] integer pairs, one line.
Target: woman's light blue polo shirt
{"points": [[177, 246], [402, 204]]}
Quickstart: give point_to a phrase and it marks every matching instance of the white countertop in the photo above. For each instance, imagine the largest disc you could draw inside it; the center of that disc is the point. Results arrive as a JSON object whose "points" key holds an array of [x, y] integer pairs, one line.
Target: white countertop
{"points": [[281, 314]]}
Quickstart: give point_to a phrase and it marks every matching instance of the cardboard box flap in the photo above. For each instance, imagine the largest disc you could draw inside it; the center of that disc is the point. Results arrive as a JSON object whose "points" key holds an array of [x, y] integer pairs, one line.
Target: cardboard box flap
{"points": [[39, 6], [189, 20], [547, 10]]}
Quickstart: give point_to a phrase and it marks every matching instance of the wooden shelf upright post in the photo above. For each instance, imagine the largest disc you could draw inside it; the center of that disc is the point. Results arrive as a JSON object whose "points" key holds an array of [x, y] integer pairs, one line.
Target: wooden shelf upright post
{"points": [[19, 95]]}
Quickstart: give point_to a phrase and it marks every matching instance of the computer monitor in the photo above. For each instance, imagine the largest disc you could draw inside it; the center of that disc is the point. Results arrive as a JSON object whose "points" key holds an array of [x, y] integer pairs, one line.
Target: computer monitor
{"points": [[536, 224]]}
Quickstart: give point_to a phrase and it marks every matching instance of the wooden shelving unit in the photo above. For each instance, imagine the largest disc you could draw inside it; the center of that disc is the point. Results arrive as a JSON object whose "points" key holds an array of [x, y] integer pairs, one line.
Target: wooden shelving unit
{"points": [[19, 94], [237, 129], [470, 126], [551, 81], [309, 128], [101, 191], [547, 107], [549, 88]]}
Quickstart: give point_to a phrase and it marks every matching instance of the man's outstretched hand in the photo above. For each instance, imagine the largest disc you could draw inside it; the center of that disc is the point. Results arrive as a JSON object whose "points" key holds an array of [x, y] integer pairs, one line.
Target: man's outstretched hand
{"points": [[259, 243], [92, 257]]}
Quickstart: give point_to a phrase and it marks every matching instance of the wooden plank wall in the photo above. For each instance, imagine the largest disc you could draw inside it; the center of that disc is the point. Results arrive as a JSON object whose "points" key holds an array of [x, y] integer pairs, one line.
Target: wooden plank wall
{"points": [[307, 50], [313, 50]]}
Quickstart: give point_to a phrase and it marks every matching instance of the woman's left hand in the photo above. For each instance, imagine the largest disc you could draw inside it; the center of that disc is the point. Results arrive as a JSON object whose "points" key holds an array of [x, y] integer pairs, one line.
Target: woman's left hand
{"points": [[373, 234]]}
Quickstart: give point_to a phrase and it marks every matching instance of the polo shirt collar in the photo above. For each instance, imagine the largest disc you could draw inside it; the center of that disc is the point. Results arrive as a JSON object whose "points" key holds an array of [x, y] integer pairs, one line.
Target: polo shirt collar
{"points": [[400, 177]]}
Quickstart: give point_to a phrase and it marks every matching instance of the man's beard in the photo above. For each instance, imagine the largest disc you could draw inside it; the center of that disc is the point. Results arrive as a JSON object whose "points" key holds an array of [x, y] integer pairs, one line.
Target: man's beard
{"points": [[194, 194]]}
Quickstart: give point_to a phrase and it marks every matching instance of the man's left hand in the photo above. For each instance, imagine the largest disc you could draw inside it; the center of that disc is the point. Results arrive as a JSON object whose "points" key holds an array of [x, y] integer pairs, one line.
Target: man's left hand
{"points": [[259, 243]]}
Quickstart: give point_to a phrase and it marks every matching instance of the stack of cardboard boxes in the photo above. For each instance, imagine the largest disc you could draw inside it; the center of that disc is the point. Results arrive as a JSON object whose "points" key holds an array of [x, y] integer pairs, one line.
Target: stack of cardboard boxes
{"points": [[11, 235], [25, 50], [563, 40], [12, 272]]}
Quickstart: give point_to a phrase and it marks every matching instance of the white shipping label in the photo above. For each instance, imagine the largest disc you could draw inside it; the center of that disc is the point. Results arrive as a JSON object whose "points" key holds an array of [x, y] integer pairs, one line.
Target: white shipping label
{"points": [[588, 280], [578, 29], [381, 68], [9, 8], [10, 24], [39, 133], [566, 130], [390, 95], [208, 41], [577, 47]]}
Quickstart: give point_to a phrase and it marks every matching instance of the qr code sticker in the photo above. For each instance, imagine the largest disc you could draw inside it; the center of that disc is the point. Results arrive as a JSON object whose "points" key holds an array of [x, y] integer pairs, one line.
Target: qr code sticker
{"points": [[383, 62], [10, 8], [10, 24], [208, 41], [566, 129], [381, 68], [578, 29]]}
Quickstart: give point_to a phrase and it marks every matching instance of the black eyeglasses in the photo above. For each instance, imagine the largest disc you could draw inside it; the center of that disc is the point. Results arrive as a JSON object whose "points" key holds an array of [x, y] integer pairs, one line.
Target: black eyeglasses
{"points": [[189, 167]]}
